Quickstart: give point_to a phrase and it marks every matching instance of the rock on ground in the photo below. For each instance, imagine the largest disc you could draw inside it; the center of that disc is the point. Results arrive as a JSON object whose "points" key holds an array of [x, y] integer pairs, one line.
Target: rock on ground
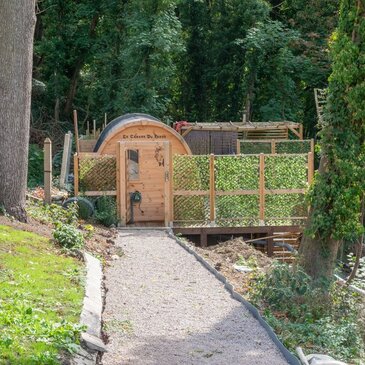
{"points": [[164, 308]]}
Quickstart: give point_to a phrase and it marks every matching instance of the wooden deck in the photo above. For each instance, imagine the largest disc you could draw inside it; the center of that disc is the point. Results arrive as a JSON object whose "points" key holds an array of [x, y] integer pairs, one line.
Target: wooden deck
{"points": [[265, 233]]}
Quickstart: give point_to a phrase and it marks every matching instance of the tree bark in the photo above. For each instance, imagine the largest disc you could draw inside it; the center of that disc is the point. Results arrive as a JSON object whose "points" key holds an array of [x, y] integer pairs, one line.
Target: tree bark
{"points": [[17, 19], [318, 254]]}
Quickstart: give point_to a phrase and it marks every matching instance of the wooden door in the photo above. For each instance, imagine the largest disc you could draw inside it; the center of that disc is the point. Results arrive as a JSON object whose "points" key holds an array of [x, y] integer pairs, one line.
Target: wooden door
{"points": [[145, 169]]}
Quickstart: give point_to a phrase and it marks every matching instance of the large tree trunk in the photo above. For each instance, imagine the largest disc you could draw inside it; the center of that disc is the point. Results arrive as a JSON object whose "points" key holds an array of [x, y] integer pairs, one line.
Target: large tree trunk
{"points": [[318, 254], [17, 19]]}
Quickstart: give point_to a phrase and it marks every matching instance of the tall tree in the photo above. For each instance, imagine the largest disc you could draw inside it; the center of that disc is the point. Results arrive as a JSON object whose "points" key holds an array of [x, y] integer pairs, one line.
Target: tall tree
{"points": [[314, 20], [338, 191], [17, 19]]}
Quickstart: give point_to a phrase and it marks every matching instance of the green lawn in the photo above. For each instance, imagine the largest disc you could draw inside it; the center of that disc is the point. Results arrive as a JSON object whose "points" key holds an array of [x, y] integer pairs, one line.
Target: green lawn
{"points": [[41, 293]]}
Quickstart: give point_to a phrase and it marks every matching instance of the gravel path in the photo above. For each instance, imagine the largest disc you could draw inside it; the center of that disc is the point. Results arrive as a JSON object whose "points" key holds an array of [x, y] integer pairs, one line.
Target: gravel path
{"points": [[164, 308]]}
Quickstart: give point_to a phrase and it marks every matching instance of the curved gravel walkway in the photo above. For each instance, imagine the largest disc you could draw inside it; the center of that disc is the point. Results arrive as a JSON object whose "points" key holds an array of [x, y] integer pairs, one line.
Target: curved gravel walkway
{"points": [[164, 308]]}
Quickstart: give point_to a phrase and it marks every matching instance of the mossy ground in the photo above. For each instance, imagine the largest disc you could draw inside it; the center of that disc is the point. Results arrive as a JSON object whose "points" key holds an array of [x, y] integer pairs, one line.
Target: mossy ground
{"points": [[41, 293]]}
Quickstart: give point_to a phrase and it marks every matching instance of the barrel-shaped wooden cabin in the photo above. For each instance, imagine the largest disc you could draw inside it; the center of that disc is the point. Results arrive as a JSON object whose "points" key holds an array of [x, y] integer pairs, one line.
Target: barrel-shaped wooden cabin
{"points": [[149, 168], [131, 159]]}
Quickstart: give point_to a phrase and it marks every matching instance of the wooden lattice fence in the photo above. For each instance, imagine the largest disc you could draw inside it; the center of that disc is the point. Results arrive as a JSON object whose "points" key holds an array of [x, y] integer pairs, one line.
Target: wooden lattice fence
{"points": [[241, 190], [252, 147], [95, 174]]}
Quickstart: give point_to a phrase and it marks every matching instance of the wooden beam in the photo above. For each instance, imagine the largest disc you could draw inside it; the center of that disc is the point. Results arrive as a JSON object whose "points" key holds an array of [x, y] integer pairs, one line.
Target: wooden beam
{"points": [[211, 189], [284, 191], [187, 131], [237, 192], [310, 167], [100, 193], [167, 183], [238, 152], [123, 184], [273, 146], [76, 126], [67, 145], [190, 192], [171, 171], [292, 129], [47, 171], [262, 187], [76, 174], [118, 173], [270, 243]]}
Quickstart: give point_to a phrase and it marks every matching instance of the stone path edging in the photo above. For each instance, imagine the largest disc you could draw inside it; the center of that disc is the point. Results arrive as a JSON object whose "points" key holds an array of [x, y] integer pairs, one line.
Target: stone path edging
{"points": [[91, 314], [292, 360]]}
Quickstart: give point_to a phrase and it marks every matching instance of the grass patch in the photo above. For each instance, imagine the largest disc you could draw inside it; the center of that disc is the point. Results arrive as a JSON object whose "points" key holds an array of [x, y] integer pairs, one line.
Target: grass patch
{"points": [[41, 295]]}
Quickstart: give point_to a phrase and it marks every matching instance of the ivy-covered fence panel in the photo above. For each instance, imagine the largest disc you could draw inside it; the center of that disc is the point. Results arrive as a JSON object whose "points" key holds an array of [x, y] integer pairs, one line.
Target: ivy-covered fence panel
{"points": [[295, 146], [97, 173], [241, 190], [191, 181]]}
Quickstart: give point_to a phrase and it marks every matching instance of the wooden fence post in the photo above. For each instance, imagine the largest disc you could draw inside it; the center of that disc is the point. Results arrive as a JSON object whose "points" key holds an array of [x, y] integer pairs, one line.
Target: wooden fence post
{"points": [[273, 146], [310, 167], [262, 188], [47, 171], [66, 155], [76, 174], [168, 183], [312, 146], [212, 189], [122, 184], [76, 132], [238, 152]]}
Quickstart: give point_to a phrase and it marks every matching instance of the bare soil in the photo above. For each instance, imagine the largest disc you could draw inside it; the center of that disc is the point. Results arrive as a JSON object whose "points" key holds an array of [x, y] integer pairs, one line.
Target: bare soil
{"points": [[224, 255]]}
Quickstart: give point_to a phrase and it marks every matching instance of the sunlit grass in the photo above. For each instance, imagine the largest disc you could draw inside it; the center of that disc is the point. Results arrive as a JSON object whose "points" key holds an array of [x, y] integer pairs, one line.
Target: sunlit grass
{"points": [[41, 295]]}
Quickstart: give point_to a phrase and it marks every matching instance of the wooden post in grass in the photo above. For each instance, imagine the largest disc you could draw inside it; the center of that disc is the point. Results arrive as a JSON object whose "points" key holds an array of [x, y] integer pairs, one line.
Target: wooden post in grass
{"points": [[47, 171]]}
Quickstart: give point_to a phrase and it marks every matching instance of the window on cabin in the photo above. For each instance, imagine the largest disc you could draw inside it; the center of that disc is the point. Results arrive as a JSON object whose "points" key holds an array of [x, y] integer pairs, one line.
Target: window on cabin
{"points": [[133, 164]]}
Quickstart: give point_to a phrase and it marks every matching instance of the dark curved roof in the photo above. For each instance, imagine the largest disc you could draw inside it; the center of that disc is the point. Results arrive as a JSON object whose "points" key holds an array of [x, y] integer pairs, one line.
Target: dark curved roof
{"points": [[115, 124]]}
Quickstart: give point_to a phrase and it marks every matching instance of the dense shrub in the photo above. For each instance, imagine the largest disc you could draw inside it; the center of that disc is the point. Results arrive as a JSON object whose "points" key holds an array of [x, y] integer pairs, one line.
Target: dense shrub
{"points": [[68, 236], [302, 313], [106, 211]]}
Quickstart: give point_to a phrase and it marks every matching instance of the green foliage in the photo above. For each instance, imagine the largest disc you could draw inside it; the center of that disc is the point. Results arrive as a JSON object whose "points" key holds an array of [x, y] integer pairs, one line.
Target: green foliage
{"points": [[68, 236], [307, 315], [340, 185], [310, 46], [186, 59], [35, 166], [272, 71], [106, 211], [35, 291], [236, 173], [286, 172], [53, 213]]}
